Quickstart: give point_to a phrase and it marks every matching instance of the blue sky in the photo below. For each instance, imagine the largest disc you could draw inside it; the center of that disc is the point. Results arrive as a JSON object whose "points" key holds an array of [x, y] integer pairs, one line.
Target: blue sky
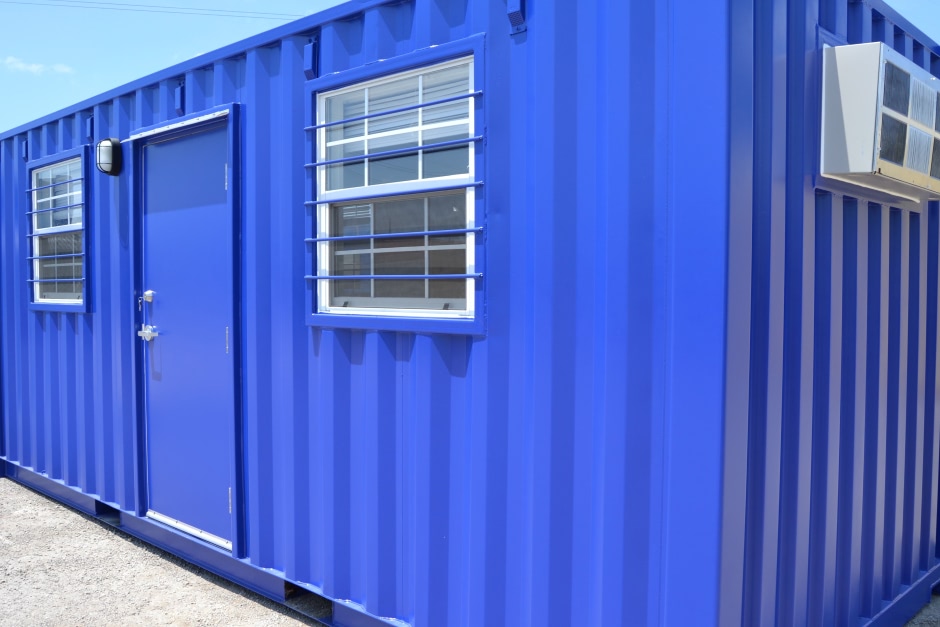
{"points": [[54, 56], [54, 53], [925, 14]]}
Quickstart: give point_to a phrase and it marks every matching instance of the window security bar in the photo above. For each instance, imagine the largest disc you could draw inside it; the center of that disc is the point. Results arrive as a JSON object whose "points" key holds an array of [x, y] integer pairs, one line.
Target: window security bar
{"points": [[62, 208], [63, 280], [397, 151], [393, 277], [385, 194], [57, 256], [472, 94], [36, 189], [352, 238]]}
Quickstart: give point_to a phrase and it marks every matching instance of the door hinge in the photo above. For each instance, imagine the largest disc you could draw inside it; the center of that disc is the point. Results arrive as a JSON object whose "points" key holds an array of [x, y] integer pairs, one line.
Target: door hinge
{"points": [[230, 500], [226, 177], [226, 340]]}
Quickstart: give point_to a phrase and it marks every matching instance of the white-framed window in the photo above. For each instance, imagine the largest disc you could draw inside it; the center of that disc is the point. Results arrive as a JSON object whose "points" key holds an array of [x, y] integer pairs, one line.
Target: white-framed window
{"points": [[57, 233], [396, 223]]}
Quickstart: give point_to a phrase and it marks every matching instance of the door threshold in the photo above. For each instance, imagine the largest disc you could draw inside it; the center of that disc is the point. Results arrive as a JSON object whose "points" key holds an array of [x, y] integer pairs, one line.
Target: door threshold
{"points": [[193, 531]]}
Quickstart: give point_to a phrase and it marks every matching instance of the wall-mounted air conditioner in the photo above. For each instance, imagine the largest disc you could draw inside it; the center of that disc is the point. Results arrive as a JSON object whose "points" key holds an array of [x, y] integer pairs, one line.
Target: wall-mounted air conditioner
{"points": [[880, 122]]}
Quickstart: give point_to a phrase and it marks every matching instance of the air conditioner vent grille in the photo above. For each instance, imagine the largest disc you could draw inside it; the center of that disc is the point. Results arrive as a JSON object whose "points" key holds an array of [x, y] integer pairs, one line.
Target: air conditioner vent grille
{"points": [[893, 139], [923, 103], [897, 95], [935, 164], [937, 115], [918, 150]]}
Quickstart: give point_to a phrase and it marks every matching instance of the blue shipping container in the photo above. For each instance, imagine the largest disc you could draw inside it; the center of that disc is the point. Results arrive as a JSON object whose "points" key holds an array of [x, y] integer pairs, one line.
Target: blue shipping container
{"points": [[488, 312]]}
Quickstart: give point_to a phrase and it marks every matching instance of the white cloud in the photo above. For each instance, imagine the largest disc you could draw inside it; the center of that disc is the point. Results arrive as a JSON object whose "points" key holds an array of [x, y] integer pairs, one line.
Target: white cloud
{"points": [[18, 65]]}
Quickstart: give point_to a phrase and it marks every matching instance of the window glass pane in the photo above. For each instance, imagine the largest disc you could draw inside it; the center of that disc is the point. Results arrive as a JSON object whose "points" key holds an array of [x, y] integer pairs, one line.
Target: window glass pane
{"points": [[399, 263], [447, 212], [59, 244], [347, 174], [448, 262], [448, 112], [445, 133], [59, 268], [446, 162], [394, 262], [351, 264], [397, 168], [352, 220], [389, 96], [43, 178], [447, 82], [344, 106], [399, 216], [893, 139], [393, 169], [393, 142], [897, 89]]}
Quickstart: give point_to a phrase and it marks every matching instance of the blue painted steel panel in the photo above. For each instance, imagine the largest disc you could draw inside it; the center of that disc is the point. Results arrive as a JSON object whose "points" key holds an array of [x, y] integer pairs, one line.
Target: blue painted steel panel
{"points": [[698, 362]]}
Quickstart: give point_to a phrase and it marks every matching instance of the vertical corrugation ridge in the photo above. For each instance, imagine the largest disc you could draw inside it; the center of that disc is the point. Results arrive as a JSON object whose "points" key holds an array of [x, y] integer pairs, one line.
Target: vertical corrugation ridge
{"points": [[257, 319], [912, 443], [928, 541], [896, 373], [847, 543]]}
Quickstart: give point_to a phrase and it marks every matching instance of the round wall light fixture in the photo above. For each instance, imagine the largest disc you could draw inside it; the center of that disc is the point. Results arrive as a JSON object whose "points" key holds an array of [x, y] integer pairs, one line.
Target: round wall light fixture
{"points": [[108, 156]]}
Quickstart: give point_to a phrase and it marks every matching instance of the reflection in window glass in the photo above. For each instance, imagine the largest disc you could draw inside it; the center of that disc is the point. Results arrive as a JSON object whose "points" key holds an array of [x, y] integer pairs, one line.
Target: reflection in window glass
{"points": [[399, 130], [413, 255]]}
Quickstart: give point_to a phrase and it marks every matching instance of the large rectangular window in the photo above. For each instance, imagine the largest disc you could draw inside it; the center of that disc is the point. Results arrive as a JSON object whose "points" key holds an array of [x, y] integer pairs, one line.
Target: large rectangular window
{"points": [[57, 233], [396, 224]]}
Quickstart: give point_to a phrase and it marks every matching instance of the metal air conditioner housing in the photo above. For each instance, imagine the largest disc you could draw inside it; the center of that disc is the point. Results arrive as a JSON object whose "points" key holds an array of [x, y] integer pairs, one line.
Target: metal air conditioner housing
{"points": [[880, 122]]}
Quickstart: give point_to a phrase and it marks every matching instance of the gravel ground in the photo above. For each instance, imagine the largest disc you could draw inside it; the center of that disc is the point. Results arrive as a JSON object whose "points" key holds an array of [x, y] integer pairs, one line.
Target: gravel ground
{"points": [[929, 616], [61, 567]]}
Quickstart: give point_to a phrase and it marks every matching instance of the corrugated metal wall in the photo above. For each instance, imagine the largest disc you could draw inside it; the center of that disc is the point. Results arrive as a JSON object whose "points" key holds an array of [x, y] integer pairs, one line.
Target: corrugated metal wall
{"points": [[833, 434], [606, 453], [509, 479]]}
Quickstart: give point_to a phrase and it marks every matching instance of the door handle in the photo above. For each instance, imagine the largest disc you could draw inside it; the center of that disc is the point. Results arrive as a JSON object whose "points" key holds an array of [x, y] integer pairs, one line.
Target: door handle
{"points": [[147, 332]]}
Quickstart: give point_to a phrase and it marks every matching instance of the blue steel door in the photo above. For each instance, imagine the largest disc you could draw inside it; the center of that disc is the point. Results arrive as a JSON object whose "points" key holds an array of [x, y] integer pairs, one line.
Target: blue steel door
{"points": [[188, 365]]}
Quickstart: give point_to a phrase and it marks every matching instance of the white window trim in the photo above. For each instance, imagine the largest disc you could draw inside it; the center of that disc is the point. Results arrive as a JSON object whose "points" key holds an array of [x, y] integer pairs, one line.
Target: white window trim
{"points": [[329, 198], [37, 232]]}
